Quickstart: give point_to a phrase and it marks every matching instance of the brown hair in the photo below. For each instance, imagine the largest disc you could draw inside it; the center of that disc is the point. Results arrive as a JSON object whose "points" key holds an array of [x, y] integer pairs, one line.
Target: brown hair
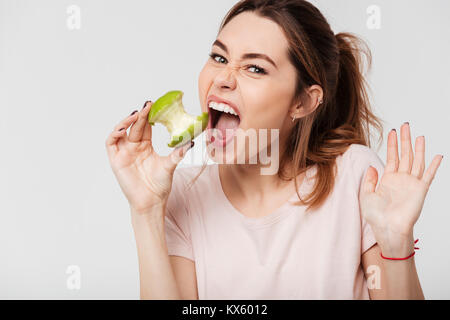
{"points": [[336, 63]]}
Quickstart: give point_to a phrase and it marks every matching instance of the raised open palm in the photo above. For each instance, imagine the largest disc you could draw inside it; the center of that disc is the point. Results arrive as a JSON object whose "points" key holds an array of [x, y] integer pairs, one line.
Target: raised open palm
{"points": [[394, 207]]}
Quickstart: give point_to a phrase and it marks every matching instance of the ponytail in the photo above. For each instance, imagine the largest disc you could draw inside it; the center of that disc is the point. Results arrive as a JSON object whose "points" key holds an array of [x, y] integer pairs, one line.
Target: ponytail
{"points": [[352, 98]]}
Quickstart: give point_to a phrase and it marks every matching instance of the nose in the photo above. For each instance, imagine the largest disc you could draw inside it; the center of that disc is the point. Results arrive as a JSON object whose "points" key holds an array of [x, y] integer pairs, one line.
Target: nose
{"points": [[226, 79]]}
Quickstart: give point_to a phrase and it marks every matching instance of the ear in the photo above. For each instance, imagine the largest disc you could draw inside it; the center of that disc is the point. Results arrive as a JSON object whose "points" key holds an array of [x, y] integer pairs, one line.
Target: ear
{"points": [[308, 102]]}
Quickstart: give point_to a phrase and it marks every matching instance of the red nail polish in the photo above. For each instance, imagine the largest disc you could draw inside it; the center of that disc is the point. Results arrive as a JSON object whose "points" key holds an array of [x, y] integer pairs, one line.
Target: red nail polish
{"points": [[133, 113], [122, 129]]}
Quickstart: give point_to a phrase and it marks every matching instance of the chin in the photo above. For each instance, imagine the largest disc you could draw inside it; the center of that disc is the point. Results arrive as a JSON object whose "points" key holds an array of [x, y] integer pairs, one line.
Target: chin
{"points": [[231, 152]]}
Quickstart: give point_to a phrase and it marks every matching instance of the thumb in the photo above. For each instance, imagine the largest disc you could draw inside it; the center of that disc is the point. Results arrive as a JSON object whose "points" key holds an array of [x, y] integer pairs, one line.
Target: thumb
{"points": [[370, 181], [175, 157]]}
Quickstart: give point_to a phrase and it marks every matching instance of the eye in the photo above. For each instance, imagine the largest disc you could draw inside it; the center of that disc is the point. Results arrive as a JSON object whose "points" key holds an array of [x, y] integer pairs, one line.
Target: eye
{"points": [[261, 70], [214, 56], [219, 59]]}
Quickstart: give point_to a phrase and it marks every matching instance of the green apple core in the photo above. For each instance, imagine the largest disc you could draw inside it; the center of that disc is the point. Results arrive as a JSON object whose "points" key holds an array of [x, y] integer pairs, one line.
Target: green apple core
{"points": [[183, 127]]}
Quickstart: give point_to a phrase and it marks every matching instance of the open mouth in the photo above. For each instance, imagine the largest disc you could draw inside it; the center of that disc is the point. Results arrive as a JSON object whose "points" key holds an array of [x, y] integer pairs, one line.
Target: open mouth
{"points": [[224, 120]]}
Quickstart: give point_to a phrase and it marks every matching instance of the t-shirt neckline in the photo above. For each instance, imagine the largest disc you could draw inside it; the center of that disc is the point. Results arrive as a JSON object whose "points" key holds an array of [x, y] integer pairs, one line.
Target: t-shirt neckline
{"points": [[278, 214]]}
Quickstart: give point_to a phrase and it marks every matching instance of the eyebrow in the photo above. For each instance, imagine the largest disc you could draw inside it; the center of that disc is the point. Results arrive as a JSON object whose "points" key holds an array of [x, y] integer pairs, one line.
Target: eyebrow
{"points": [[246, 55]]}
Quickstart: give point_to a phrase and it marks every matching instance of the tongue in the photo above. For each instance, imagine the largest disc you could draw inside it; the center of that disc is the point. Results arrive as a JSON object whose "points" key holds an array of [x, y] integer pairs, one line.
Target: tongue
{"points": [[227, 121]]}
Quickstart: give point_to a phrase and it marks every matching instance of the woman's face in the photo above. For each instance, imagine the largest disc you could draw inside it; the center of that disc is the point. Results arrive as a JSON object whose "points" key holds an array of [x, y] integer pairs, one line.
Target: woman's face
{"points": [[250, 70]]}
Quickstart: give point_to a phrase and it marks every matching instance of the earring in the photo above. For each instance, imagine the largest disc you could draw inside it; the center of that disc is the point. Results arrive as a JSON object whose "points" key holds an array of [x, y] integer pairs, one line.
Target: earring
{"points": [[293, 118]]}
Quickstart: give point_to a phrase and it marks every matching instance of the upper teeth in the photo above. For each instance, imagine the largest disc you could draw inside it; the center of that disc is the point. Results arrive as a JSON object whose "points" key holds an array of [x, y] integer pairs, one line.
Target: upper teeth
{"points": [[222, 107]]}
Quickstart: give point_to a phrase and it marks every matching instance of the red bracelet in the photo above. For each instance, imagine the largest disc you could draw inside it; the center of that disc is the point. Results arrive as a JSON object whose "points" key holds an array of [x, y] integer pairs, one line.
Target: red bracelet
{"points": [[412, 254]]}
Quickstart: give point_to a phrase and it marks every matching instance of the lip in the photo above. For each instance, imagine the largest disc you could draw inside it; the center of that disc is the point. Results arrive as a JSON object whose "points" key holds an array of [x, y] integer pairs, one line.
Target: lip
{"points": [[220, 100]]}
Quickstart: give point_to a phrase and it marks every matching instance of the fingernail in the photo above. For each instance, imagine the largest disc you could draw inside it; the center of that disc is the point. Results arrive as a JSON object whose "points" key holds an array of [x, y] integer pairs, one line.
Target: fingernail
{"points": [[394, 130], [122, 129], [133, 113], [192, 144], [407, 123], [145, 104]]}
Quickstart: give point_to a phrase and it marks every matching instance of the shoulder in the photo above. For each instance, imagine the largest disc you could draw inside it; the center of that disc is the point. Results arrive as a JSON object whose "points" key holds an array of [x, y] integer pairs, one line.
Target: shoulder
{"points": [[355, 161], [184, 176], [188, 190], [188, 172], [358, 155], [360, 152]]}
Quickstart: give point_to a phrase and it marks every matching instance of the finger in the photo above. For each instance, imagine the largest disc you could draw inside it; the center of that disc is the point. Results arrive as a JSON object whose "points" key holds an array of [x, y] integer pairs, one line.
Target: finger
{"points": [[419, 158], [137, 130], [120, 131], [175, 157], [147, 136], [370, 181], [111, 141], [407, 156], [127, 122], [431, 171], [392, 152]]}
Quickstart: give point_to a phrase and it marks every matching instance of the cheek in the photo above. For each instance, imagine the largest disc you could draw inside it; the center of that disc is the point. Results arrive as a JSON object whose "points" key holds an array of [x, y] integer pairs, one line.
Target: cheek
{"points": [[267, 105]]}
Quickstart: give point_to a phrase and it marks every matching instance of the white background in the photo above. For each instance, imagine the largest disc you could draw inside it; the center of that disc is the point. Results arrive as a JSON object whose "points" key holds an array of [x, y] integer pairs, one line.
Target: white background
{"points": [[62, 91]]}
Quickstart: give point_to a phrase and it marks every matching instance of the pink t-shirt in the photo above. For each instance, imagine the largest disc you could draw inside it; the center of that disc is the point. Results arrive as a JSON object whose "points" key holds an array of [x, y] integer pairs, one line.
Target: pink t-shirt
{"points": [[288, 254]]}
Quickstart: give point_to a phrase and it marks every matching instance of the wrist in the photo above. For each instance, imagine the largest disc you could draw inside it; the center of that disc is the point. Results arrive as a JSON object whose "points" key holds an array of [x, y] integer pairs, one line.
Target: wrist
{"points": [[154, 214], [153, 209], [397, 246]]}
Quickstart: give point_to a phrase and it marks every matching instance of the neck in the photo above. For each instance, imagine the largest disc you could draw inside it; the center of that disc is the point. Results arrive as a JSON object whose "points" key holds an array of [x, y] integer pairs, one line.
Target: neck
{"points": [[247, 181]]}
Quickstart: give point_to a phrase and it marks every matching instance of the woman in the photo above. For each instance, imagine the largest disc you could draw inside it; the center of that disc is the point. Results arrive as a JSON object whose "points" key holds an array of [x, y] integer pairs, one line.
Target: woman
{"points": [[235, 233]]}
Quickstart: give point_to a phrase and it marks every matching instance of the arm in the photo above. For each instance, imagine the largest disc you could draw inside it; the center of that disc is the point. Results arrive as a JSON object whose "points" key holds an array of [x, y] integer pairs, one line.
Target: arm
{"points": [[392, 210], [186, 278], [397, 279], [161, 276], [145, 178]]}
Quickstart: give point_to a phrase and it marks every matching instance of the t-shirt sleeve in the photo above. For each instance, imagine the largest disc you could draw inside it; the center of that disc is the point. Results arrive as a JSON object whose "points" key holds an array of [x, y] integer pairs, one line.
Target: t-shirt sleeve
{"points": [[177, 229], [363, 157]]}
